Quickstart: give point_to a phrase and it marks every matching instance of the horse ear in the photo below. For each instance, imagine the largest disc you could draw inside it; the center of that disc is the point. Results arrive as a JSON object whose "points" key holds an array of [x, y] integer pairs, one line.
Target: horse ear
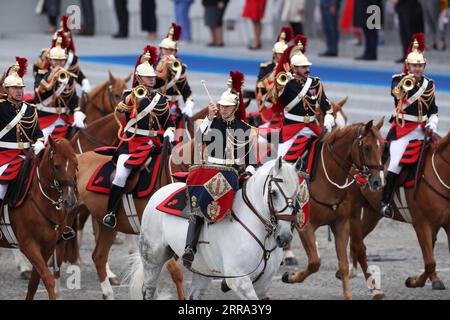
{"points": [[128, 78], [278, 165], [112, 80], [368, 126], [379, 125]]}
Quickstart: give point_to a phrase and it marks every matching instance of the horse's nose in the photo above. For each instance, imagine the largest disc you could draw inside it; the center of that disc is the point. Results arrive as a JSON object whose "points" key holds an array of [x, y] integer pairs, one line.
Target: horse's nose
{"points": [[282, 241], [376, 183]]}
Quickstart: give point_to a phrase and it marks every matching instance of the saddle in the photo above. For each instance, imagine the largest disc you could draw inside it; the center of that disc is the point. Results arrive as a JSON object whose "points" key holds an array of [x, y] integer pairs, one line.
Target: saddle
{"points": [[140, 183], [19, 187]]}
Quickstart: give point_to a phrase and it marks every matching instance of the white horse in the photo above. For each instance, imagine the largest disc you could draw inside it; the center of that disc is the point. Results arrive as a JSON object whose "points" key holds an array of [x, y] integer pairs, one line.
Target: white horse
{"points": [[226, 249]]}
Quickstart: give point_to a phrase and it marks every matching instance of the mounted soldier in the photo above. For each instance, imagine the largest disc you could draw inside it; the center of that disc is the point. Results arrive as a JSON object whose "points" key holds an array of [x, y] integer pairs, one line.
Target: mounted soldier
{"points": [[172, 77], [230, 144], [415, 113], [56, 96], [146, 114], [72, 63], [19, 127], [266, 75], [301, 99]]}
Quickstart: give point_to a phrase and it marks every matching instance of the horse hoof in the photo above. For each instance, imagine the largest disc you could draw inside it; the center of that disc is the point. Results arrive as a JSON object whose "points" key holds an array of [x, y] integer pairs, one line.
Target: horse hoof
{"points": [[285, 277], [291, 261], [338, 275], [25, 275], [378, 295], [266, 298], [438, 285], [409, 283], [224, 287], [114, 281]]}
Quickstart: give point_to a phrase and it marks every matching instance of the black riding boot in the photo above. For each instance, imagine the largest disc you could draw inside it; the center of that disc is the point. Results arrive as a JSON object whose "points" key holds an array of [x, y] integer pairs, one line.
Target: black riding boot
{"points": [[110, 219], [388, 194], [195, 226]]}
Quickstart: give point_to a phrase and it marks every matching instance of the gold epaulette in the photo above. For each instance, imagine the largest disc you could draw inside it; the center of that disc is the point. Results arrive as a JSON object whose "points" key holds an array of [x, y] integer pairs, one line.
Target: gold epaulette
{"points": [[265, 64], [398, 75]]}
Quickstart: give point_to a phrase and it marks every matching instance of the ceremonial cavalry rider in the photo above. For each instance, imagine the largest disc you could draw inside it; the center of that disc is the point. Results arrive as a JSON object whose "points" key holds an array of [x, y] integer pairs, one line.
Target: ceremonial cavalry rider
{"points": [[146, 112], [72, 63], [230, 147], [56, 96], [172, 76], [266, 75], [299, 97], [415, 112], [19, 127]]}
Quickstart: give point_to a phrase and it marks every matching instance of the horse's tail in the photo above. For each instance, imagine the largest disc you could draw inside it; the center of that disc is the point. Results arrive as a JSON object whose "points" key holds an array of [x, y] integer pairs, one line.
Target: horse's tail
{"points": [[134, 276]]}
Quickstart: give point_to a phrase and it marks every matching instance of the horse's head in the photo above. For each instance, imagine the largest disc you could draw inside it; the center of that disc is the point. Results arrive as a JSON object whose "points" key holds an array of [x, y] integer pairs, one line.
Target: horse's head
{"points": [[58, 165], [280, 193], [367, 151], [115, 87]]}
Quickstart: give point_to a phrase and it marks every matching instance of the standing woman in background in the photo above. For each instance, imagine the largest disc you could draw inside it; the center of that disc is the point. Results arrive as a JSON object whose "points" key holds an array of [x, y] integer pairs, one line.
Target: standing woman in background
{"points": [[214, 11], [254, 10]]}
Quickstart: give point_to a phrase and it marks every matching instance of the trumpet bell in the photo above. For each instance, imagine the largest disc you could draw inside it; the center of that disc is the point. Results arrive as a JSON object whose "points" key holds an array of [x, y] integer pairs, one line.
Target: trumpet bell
{"points": [[282, 78], [176, 65], [140, 92], [408, 84]]}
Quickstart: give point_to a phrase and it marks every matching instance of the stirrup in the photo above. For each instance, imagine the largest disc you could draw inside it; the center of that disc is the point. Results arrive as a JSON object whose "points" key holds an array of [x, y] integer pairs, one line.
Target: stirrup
{"points": [[110, 220], [386, 211]]}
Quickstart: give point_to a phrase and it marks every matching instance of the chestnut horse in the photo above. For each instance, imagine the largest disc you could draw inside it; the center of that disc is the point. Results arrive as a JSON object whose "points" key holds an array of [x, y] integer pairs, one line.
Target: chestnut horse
{"points": [[358, 144], [103, 98], [428, 213], [39, 222]]}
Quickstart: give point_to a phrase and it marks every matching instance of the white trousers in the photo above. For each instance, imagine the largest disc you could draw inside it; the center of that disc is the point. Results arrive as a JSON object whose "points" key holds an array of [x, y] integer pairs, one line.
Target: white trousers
{"points": [[47, 131], [3, 187], [284, 147], [122, 172], [398, 147]]}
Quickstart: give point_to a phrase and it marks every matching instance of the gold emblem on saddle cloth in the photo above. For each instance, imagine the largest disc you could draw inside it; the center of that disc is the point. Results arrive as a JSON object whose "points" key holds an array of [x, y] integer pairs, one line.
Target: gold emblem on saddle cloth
{"points": [[217, 186], [213, 210]]}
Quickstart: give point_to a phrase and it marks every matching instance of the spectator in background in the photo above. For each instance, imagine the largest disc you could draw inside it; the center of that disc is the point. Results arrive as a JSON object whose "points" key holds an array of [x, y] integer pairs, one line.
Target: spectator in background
{"points": [[410, 18], [148, 18], [53, 9], [293, 13], [88, 18], [182, 17], [254, 10], [370, 35], [122, 17], [214, 11], [443, 23], [330, 15], [432, 12]]}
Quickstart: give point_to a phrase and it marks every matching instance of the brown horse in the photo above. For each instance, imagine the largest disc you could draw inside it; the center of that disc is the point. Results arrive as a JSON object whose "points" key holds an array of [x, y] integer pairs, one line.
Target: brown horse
{"points": [[39, 222], [428, 213], [358, 144], [103, 98]]}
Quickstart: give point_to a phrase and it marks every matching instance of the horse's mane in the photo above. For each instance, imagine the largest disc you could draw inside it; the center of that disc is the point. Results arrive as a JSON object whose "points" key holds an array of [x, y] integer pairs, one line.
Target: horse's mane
{"points": [[338, 133], [442, 143], [97, 89]]}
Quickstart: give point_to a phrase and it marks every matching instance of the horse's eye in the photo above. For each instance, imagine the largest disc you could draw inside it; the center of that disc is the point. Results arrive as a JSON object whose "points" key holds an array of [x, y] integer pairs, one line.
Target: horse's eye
{"points": [[367, 148], [273, 194], [57, 167]]}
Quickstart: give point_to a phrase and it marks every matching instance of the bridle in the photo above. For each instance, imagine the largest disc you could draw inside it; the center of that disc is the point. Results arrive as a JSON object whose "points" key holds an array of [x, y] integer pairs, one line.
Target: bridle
{"points": [[110, 95]]}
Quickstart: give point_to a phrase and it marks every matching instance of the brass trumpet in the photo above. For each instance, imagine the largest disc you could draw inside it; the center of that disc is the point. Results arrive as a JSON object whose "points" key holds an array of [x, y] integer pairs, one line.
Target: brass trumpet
{"points": [[282, 78], [406, 84], [140, 92], [175, 65]]}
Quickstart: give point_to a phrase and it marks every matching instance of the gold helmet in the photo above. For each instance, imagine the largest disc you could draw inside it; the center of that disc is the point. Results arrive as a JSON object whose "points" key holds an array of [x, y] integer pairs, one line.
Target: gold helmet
{"points": [[16, 73], [283, 39], [171, 41], [296, 56], [229, 98], [416, 56], [145, 69], [58, 52]]}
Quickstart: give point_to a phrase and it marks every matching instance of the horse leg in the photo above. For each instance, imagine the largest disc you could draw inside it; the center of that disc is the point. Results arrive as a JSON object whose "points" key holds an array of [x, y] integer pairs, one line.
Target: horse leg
{"points": [[243, 287], [341, 231], [177, 277], [33, 284], [39, 261], [104, 240], [308, 239], [22, 265], [199, 286], [424, 234]]}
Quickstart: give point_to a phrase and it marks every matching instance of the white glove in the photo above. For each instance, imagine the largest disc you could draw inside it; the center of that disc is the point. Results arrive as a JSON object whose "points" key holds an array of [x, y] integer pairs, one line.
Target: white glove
{"points": [[432, 123], [250, 169], [78, 119], [85, 85], [169, 133], [328, 122], [38, 146], [188, 108]]}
